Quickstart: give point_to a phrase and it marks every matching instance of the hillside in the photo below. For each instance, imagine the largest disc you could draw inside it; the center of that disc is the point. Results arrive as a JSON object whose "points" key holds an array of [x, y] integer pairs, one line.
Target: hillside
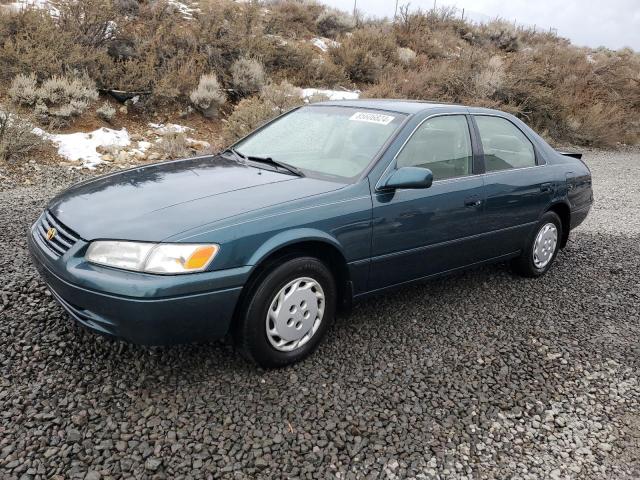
{"points": [[146, 80]]}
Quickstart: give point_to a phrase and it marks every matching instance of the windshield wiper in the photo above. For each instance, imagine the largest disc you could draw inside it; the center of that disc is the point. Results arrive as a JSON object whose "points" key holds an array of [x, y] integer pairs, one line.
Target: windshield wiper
{"points": [[238, 156], [271, 161]]}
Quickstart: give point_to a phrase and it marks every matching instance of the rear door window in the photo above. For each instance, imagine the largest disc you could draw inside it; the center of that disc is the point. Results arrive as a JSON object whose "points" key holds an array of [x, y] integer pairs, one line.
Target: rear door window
{"points": [[505, 146]]}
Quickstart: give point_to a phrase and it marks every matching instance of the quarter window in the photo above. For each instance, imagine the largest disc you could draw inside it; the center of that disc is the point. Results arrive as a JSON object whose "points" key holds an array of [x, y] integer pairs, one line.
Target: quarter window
{"points": [[505, 146], [441, 144]]}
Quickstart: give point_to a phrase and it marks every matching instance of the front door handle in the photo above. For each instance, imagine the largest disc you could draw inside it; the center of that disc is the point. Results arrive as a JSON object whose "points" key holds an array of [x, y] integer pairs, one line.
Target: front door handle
{"points": [[546, 187], [472, 202]]}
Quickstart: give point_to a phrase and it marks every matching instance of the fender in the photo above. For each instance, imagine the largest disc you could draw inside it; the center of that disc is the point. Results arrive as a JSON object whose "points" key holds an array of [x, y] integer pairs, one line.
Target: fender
{"points": [[290, 237]]}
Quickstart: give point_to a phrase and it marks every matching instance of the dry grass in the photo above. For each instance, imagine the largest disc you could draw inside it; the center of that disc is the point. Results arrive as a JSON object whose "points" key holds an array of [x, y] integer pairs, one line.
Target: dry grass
{"points": [[16, 136], [570, 94]]}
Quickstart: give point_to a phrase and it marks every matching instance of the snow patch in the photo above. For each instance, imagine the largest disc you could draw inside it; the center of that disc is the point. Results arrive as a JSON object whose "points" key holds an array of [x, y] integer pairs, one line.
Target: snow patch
{"points": [[143, 145], [83, 146], [332, 94], [163, 129], [22, 4], [187, 11], [324, 43]]}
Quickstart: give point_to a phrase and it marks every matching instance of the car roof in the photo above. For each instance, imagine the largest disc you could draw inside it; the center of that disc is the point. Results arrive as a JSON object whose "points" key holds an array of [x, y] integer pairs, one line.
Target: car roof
{"points": [[408, 107]]}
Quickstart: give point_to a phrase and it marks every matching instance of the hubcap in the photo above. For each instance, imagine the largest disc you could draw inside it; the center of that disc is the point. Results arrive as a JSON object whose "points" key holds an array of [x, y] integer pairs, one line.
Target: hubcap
{"points": [[545, 245], [295, 314]]}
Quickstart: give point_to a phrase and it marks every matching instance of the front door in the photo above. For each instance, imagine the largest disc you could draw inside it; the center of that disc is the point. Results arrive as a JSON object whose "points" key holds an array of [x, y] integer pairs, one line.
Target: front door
{"points": [[422, 232]]}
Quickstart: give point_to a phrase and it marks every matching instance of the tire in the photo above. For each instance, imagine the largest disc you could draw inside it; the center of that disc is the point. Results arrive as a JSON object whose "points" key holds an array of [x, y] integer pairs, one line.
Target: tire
{"points": [[532, 263], [311, 296]]}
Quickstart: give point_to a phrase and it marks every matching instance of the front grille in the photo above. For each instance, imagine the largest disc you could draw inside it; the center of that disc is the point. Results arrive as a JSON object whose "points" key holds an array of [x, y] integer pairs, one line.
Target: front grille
{"points": [[64, 238]]}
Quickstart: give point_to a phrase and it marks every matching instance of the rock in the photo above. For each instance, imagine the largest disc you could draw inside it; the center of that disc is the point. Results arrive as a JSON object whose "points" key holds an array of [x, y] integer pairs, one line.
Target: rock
{"points": [[73, 436], [50, 452], [152, 464]]}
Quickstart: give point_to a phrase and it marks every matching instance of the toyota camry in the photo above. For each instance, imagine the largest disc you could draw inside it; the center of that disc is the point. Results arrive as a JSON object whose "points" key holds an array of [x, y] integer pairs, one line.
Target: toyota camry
{"points": [[324, 205]]}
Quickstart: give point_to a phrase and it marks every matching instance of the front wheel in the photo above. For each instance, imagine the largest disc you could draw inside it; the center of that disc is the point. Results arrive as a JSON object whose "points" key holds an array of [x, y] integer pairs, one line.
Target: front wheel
{"points": [[287, 313], [541, 248]]}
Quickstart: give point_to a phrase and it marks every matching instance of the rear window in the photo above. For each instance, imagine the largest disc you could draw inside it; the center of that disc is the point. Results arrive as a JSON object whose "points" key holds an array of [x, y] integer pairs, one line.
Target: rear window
{"points": [[505, 146]]}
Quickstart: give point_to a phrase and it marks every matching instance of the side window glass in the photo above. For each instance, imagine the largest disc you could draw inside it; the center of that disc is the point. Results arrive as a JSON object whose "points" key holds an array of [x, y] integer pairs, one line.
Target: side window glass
{"points": [[441, 144], [505, 146]]}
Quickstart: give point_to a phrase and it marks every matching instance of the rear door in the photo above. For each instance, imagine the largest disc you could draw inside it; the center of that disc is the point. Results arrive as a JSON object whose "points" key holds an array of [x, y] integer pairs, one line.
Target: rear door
{"points": [[421, 232], [516, 183]]}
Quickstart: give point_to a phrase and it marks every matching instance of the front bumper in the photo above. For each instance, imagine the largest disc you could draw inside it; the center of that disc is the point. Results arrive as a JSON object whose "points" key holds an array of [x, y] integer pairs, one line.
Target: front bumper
{"points": [[140, 308]]}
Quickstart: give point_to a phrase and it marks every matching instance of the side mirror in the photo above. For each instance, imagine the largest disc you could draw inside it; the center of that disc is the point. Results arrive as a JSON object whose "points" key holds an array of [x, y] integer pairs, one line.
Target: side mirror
{"points": [[409, 177]]}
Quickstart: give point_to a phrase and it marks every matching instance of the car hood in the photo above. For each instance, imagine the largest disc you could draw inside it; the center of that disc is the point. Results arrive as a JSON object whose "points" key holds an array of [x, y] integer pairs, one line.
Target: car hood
{"points": [[157, 201]]}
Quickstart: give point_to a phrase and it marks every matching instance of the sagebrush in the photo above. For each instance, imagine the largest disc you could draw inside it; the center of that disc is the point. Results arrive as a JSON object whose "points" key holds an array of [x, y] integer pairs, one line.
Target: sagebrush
{"points": [[17, 137], [570, 94]]}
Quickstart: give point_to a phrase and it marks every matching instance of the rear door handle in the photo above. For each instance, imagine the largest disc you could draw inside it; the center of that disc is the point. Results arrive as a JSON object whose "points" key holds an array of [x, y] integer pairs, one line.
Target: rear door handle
{"points": [[472, 202], [546, 187]]}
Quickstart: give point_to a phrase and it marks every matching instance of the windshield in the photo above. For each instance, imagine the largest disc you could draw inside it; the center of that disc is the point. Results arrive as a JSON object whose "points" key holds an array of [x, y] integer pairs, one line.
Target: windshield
{"points": [[330, 141]]}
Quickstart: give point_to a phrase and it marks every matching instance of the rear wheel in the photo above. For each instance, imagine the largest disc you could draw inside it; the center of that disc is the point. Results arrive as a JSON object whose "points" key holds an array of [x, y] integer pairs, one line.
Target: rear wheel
{"points": [[541, 248], [287, 312]]}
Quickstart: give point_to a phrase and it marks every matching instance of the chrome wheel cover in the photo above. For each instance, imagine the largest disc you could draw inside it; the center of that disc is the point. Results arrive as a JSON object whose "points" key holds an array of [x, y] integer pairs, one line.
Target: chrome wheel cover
{"points": [[545, 245], [295, 314]]}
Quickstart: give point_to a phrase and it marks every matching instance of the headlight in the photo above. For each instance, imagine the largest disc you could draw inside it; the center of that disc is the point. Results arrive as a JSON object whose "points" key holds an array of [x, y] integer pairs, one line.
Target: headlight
{"points": [[152, 257]]}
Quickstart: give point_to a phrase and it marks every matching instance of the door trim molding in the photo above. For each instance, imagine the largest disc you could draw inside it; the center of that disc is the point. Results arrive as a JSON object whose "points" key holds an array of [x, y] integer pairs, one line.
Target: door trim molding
{"points": [[410, 251], [436, 275]]}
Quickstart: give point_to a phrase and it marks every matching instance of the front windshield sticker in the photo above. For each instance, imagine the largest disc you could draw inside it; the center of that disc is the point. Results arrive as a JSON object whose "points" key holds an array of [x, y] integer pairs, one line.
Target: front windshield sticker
{"points": [[378, 118]]}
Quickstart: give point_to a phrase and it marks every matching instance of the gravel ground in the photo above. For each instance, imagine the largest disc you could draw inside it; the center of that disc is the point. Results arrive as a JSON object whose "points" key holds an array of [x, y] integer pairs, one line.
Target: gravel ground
{"points": [[480, 375]]}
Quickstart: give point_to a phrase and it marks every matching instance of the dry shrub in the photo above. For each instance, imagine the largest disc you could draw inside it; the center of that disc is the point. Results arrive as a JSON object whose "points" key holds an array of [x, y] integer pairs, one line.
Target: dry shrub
{"points": [[31, 41], [449, 80], [435, 33], [176, 81], [282, 96], [58, 91], [247, 76], [406, 55], [321, 72], [332, 23], [24, 90], [282, 59], [106, 112], [490, 79], [291, 18], [16, 137], [366, 54], [59, 97], [89, 22], [208, 97], [253, 112], [501, 34], [249, 114], [173, 145]]}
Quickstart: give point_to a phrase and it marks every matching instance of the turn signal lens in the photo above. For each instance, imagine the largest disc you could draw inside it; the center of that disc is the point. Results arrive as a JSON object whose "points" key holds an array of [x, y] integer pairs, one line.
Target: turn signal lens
{"points": [[200, 258]]}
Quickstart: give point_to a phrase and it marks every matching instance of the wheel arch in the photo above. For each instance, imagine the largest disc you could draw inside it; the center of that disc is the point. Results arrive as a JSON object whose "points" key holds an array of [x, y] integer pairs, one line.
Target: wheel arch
{"points": [[305, 242], [564, 212]]}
